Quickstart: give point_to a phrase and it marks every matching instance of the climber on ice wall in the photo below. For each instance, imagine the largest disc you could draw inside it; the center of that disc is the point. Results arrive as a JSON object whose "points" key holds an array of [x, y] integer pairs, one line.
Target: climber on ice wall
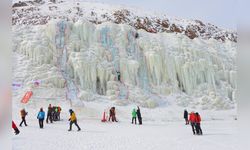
{"points": [[118, 75]]}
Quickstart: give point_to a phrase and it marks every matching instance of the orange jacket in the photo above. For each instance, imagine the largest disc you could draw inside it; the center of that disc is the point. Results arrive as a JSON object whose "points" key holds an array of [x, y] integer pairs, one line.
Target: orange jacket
{"points": [[192, 117]]}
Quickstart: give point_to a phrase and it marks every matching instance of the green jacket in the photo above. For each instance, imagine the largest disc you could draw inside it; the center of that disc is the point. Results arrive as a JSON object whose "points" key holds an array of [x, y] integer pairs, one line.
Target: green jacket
{"points": [[133, 113]]}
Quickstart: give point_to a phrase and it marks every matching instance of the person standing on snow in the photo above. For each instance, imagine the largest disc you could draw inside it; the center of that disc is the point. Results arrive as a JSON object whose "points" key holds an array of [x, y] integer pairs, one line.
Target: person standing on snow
{"points": [[59, 112], [111, 113], [73, 120], [192, 119], [198, 124], [186, 116], [114, 117], [15, 128], [40, 117], [133, 116], [23, 115], [49, 114], [138, 112]]}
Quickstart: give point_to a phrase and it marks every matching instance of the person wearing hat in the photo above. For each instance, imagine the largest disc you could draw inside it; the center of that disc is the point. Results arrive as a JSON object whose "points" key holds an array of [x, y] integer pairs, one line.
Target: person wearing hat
{"points": [[73, 120]]}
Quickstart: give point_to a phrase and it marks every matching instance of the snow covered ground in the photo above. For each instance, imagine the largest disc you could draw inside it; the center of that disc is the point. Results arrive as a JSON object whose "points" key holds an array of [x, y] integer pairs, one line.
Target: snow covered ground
{"points": [[95, 135]]}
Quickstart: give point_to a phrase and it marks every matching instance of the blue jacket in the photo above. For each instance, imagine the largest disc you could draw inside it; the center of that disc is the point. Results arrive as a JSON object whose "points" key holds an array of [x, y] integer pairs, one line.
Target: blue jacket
{"points": [[41, 115]]}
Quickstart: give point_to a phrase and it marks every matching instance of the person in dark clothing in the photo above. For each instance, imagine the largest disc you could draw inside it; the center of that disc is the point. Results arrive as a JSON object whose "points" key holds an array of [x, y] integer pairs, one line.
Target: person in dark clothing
{"points": [[118, 75], [40, 117], [110, 113], [23, 116], [49, 114], [136, 35], [73, 120], [138, 112], [15, 128], [198, 124], [114, 117], [54, 113], [186, 116]]}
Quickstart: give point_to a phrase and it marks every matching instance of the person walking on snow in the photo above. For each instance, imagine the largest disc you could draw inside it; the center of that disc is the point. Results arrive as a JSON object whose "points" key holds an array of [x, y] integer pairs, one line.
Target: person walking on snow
{"points": [[133, 116], [23, 115], [73, 120], [40, 117], [138, 112], [192, 118], [198, 124], [49, 114], [186, 116], [15, 128]]}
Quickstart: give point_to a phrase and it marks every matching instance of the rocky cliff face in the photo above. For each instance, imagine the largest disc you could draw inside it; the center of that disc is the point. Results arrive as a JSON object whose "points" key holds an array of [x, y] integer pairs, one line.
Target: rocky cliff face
{"points": [[40, 12]]}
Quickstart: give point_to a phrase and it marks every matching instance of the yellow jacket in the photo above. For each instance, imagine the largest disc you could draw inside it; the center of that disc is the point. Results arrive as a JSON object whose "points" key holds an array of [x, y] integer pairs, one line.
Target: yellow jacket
{"points": [[72, 117]]}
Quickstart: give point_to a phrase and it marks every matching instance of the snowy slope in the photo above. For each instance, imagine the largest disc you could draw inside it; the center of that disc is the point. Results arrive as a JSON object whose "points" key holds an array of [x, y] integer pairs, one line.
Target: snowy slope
{"points": [[32, 13]]}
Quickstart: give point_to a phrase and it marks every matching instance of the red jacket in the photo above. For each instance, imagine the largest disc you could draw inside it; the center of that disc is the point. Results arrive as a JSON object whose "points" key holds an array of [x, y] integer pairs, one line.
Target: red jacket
{"points": [[13, 125], [192, 117], [198, 119]]}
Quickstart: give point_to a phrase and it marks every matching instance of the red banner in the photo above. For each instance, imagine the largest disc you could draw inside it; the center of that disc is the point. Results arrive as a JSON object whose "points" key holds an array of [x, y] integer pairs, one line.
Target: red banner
{"points": [[27, 97]]}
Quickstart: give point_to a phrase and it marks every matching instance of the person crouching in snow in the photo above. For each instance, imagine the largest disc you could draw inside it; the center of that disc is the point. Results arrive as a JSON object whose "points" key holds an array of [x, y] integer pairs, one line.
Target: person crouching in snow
{"points": [[186, 116], [133, 116], [198, 124], [73, 120], [15, 128], [112, 114], [192, 118], [40, 117]]}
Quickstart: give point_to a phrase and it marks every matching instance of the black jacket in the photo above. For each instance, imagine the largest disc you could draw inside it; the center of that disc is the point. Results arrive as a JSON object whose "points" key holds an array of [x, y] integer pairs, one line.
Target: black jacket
{"points": [[138, 112], [185, 114]]}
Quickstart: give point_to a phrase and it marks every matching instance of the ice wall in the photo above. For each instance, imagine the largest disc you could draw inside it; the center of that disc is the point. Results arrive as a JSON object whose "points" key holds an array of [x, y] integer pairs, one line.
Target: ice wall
{"points": [[160, 64]]}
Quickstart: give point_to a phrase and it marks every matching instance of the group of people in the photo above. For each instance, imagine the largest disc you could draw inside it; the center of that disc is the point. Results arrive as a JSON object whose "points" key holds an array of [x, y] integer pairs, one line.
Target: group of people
{"points": [[138, 114], [194, 120], [53, 114]]}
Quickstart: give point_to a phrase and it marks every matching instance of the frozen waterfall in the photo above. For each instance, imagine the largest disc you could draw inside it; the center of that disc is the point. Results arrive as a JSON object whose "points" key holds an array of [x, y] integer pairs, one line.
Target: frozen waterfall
{"points": [[151, 66]]}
